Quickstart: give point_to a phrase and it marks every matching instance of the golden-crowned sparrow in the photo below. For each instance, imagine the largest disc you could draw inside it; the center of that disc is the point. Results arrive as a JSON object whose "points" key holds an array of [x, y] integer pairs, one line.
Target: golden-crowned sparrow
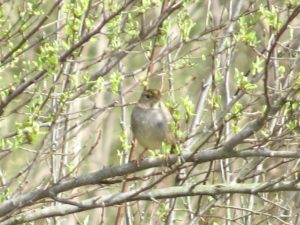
{"points": [[150, 120]]}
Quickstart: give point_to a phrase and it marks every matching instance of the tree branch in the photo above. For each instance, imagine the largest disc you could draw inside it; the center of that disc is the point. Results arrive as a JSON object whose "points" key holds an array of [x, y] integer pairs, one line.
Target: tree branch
{"points": [[129, 168], [153, 195]]}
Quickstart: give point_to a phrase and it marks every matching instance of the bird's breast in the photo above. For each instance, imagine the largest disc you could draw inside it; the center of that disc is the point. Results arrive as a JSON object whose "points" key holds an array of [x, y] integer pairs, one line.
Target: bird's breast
{"points": [[149, 126]]}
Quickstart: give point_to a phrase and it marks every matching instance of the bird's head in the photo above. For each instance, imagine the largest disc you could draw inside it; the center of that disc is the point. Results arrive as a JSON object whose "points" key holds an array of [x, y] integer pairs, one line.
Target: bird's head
{"points": [[150, 98]]}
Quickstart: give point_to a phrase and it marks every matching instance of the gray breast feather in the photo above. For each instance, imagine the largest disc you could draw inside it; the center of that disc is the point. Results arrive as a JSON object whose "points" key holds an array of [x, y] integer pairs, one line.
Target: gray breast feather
{"points": [[150, 127]]}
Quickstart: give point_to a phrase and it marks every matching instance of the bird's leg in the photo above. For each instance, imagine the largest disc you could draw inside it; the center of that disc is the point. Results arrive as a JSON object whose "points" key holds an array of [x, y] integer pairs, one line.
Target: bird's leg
{"points": [[132, 154], [141, 157]]}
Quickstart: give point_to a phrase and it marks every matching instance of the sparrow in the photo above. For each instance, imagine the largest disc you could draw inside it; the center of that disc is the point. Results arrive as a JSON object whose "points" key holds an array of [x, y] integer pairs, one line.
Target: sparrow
{"points": [[150, 121]]}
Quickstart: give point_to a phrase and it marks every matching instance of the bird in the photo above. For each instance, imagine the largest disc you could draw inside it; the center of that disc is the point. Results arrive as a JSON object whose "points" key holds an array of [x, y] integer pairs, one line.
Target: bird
{"points": [[150, 121]]}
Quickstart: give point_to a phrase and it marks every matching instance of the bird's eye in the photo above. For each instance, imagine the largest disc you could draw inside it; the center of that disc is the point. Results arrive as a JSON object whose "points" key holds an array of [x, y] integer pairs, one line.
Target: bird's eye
{"points": [[147, 96]]}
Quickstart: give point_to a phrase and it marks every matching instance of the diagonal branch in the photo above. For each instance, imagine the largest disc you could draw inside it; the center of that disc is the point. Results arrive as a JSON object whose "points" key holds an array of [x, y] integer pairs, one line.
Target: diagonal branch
{"points": [[271, 50], [152, 195], [129, 168], [32, 32]]}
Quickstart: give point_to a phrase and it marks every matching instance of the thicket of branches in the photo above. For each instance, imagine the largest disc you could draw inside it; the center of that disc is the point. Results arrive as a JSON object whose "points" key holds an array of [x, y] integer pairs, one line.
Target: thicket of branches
{"points": [[70, 72]]}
